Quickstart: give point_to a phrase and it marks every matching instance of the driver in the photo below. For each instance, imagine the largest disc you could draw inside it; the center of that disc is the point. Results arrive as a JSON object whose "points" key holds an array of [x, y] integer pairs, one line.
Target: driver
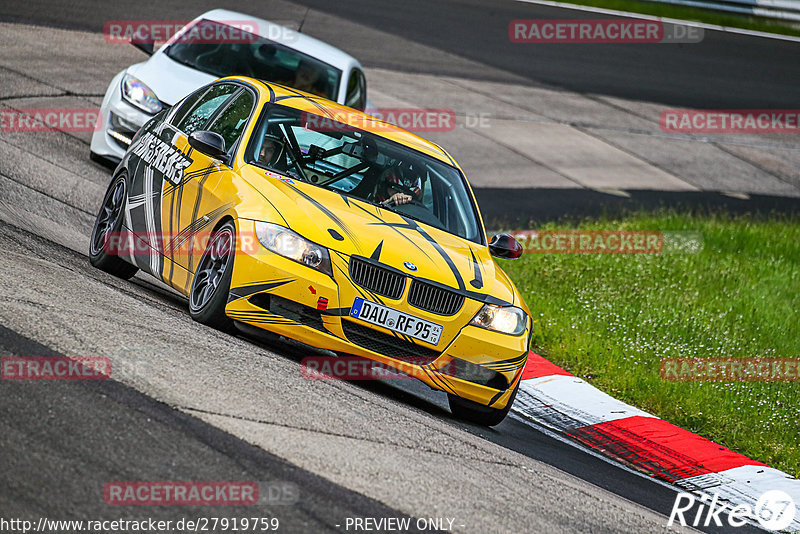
{"points": [[398, 185], [308, 78], [270, 152]]}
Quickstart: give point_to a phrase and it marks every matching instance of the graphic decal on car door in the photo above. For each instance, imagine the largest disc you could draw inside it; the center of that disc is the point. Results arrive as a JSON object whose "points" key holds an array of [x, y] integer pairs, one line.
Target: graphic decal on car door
{"points": [[162, 157]]}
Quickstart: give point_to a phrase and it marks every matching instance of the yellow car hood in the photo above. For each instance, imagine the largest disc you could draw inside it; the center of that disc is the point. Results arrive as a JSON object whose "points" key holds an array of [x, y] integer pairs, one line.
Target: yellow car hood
{"points": [[352, 227]]}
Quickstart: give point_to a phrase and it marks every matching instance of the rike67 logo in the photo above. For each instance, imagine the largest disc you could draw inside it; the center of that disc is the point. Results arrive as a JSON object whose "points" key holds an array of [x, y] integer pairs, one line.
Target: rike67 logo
{"points": [[775, 510]]}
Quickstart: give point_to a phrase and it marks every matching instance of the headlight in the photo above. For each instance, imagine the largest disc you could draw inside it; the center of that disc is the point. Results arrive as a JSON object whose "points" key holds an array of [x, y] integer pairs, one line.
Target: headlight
{"points": [[505, 319], [288, 244], [138, 94]]}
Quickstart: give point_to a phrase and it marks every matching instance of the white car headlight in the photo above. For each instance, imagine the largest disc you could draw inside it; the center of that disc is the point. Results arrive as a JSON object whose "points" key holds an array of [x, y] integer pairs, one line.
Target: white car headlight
{"points": [[288, 244], [505, 319], [137, 93]]}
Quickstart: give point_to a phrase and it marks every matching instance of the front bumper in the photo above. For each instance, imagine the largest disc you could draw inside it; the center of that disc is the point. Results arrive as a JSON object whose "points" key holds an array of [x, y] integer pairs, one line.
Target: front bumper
{"points": [[295, 301]]}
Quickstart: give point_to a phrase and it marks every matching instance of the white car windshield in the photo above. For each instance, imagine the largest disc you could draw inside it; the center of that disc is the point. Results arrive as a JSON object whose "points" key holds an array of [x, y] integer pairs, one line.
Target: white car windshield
{"points": [[367, 166], [254, 56]]}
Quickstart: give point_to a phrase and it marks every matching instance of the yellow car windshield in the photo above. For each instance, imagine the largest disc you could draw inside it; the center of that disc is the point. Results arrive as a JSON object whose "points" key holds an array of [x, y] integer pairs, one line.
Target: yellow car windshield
{"points": [[366, 166]]}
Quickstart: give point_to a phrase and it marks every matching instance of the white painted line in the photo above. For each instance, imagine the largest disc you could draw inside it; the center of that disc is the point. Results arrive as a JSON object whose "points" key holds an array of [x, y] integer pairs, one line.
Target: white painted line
{"points": [[567, 402], [618, 13], [614, 192]]}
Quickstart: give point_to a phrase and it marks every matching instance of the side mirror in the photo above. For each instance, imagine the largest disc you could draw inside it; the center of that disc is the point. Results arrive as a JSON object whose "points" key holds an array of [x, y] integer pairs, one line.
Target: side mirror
{"points": [[209, 143], [505, 246], [147, 48]]}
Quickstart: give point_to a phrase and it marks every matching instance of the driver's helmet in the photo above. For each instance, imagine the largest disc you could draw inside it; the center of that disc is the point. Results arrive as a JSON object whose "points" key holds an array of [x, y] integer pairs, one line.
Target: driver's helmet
{"points": [[270, 150], [406, 180]]}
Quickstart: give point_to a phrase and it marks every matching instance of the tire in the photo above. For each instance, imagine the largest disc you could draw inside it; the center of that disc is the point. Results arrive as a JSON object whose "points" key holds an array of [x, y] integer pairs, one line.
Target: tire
{"points": [[479, 414], [212, 280], [109, 223]]}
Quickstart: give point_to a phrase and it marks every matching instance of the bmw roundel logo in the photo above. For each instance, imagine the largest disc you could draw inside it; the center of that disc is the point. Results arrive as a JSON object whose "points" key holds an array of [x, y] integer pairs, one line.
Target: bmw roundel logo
{"points": [[410, 266]]}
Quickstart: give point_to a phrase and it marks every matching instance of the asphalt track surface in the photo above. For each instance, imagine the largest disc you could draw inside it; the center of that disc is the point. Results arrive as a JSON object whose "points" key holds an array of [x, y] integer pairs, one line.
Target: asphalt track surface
{"points": [[724, 71], [60, 442], [45, 433], [468, 38]]}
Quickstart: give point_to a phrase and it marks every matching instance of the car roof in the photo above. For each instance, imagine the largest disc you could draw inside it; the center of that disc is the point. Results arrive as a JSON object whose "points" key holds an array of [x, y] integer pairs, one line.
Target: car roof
{"points": [[289, 97], [287, 37]]}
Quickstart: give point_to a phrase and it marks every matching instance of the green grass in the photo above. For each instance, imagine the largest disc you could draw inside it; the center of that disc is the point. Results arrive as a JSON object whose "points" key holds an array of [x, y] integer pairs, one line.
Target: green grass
{"points": [[696, 14], [610, 319]]}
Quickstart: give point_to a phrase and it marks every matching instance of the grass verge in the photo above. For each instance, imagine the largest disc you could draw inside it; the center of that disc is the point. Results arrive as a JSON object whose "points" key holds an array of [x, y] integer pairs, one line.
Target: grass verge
{"points": [[611, 318], [707, 16]]}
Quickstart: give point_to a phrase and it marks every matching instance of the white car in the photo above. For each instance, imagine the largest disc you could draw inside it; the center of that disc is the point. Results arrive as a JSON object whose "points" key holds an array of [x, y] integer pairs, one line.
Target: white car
{"points": [[185, 63]]}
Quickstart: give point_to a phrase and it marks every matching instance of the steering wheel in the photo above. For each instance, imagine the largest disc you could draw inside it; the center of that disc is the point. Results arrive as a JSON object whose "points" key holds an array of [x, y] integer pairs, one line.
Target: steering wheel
{"points": [[406, 190], [412, 202]]}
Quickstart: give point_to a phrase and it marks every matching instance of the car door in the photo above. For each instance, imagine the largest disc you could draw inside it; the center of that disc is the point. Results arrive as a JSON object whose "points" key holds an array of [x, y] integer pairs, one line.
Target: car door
{"points": [[193, 221], [167, 175]]}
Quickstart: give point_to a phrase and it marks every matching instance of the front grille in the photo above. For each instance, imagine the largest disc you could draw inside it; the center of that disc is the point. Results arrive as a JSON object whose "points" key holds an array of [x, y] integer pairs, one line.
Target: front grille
{"points": [[388, 345], [434, 299], [379, 280]]}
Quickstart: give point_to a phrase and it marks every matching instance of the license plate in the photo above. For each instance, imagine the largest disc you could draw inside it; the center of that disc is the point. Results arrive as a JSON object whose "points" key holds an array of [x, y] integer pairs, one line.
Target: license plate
{"points": [[396, 321]]}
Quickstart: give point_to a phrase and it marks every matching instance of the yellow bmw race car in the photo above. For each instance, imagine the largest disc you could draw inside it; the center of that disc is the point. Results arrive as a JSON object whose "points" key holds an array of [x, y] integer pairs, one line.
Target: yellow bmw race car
{"points": [[288, 212]]}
